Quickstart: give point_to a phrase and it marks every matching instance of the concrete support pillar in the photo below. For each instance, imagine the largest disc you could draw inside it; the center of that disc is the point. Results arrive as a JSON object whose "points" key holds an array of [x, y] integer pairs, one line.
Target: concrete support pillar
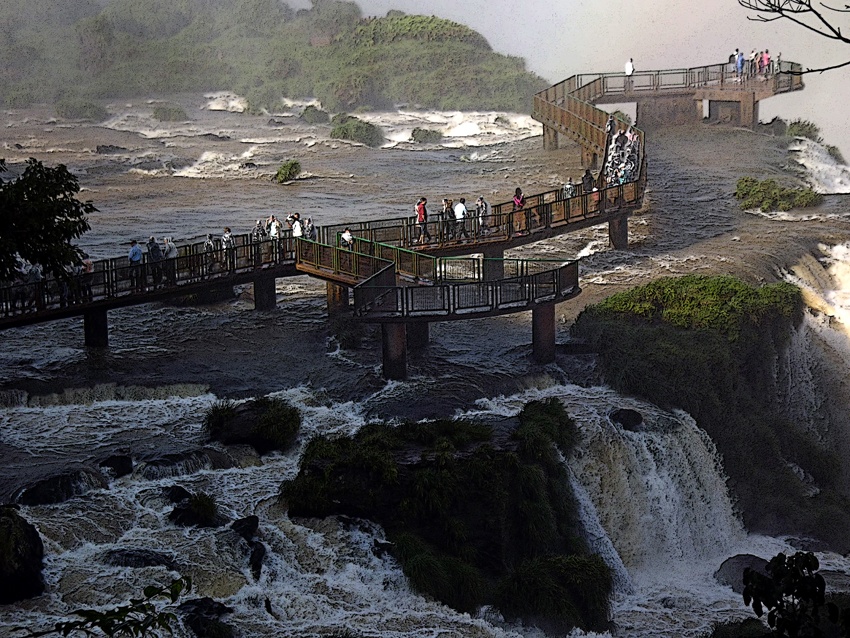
{"points": [[543, 333], [589, 159], [550, 138], [494, 266], [618, 232], [337, 299], [96, 328], [394, 350], [417, 335], [265, 297], [749, 110]]}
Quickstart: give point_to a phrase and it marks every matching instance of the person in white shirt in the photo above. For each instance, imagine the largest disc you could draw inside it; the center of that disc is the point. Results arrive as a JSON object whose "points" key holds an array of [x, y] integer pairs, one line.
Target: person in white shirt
{"points": [[460, 219], [630, 69], [347, 239]]}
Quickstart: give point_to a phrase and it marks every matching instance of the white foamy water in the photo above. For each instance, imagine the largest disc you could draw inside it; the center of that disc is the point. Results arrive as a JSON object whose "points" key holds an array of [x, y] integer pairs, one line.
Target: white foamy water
{"points": [[825, 173]]}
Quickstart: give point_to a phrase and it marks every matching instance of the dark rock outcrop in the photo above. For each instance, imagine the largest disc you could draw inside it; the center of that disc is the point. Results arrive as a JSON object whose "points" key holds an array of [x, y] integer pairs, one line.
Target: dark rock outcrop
{"points": [[628, 419], [255, 560], [731, 571], [176, 493], [246, 527], [109, 149], [177, 464], [138, 557], [61, 487], [203, 616], [266, 424], [119, 464], [21, 555]]}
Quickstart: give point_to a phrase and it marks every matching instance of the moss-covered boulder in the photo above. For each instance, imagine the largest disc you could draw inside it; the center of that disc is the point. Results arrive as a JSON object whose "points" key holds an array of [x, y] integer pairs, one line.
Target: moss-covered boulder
{"points": [[357, 130], [314, 115], [426, 135], [476, 514], [266, 424], [21, 555], [710, 346]]}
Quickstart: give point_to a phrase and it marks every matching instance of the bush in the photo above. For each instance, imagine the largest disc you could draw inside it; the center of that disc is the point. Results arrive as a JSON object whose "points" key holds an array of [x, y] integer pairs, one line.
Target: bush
{"points": [[835, 153], [169, 113], [804, 128], [357, 130], [426, 136], [77, 109], [288, 171], [277, 427], [204, 509], [218, 418], [313, 115], [770, 196]]}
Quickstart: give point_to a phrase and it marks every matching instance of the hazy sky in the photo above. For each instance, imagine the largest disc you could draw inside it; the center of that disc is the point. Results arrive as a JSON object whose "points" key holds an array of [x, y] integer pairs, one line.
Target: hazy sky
{"points": [[558, 38]]}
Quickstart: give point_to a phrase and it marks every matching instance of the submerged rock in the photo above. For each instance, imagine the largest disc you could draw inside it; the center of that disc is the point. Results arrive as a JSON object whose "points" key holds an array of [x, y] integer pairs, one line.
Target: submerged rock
{"points": [[255, 560], [202, 616], [119, 465], [731, 571], [138, 557], [21, 555], [628, 419], [246, 527], [61, 487]]}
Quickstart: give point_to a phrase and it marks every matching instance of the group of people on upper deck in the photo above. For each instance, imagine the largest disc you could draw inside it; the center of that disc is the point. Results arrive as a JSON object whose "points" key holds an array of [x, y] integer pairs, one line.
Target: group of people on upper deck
{"points": [[758, 64]]}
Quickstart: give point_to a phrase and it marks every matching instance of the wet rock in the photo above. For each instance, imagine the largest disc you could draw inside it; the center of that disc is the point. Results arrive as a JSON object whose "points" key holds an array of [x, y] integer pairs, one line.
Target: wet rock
{"points": [[198, 510], [61, 487], [731, 571], [177, 464], [138, 557], [21, 554], [255, 560], [202, 616], [109, 149], [246, 527], [119, 464], [628, 419], [381, 548], [176, 493], [248, 165], [220, 460]]}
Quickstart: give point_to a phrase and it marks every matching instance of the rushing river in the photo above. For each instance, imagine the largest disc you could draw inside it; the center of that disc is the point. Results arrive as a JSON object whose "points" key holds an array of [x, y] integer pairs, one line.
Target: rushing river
{"points": [[654, 503]]}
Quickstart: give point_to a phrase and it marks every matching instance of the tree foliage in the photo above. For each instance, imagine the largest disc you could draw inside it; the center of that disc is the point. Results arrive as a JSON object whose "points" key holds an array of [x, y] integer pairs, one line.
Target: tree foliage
{"points": [[831, 22], [769, 196], [41, 215], [793, 595], [140, 617]]}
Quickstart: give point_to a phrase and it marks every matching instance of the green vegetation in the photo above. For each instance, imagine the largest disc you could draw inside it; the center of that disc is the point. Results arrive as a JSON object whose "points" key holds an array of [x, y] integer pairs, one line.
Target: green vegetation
{"points": [[313, 115], [169, 113], [834, 153], [261, 49], [266, 423], [770, 196], [357, 130], [804, 128], [473, 520], [426, 136], [288, 171], [145, 616], [76, 109], [41, 216], [709, 345], [203, 509]]}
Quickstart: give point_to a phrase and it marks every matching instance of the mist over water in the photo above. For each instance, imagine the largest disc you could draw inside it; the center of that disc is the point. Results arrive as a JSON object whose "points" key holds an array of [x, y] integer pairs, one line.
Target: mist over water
{"points": [[654, 502]]}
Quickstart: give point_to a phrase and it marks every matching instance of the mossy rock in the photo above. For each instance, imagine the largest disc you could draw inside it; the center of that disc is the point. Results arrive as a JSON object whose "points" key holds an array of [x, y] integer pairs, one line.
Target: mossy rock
{"points": [[426, 136], [199, 510], [463, 505], [267, 424], [768, 195], [21, 555], [78, 109], [288, 171], [357, 130], [314, 115], [169, 113]]}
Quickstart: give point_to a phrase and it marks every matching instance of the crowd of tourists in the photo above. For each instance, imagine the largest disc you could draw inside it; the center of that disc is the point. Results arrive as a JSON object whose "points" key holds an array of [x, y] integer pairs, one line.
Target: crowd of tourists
{"points": [[453, 221], [756, 65]]}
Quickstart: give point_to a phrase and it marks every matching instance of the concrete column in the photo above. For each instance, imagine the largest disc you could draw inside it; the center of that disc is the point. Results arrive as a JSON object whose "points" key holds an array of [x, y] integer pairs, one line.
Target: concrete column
{"points": [[417, 335], [394, 350], [494, 267], [550, 138], [337, 298], [749, 110], [96, 328], [589, 158], [265, 297], [543, 333], [618, 232]]}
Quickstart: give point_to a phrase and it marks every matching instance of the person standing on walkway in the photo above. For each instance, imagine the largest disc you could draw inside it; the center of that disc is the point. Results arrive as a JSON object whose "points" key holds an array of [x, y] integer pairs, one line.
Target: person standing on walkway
{"points": [[586, 182], [228, 244], [297, 226], [169, 254], [629, 70], [460, 219], [137, 274], [422, 221], [310, 230], [482, 212], [154, 258], [87, 278], [347, 239]]}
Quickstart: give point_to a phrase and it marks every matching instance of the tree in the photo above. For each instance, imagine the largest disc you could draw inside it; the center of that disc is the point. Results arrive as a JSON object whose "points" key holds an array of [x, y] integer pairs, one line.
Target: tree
{"points": [[40, 216], [813, 16], [139, 617], [793, 593]]}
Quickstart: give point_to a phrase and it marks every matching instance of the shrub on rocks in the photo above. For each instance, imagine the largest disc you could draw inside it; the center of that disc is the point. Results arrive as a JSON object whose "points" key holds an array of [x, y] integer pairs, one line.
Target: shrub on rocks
{"points": [[199, 510], [266, 424], [21, 555], [77, 109], [313, 115], [426, 136], [288, 171], [357, 130]]}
